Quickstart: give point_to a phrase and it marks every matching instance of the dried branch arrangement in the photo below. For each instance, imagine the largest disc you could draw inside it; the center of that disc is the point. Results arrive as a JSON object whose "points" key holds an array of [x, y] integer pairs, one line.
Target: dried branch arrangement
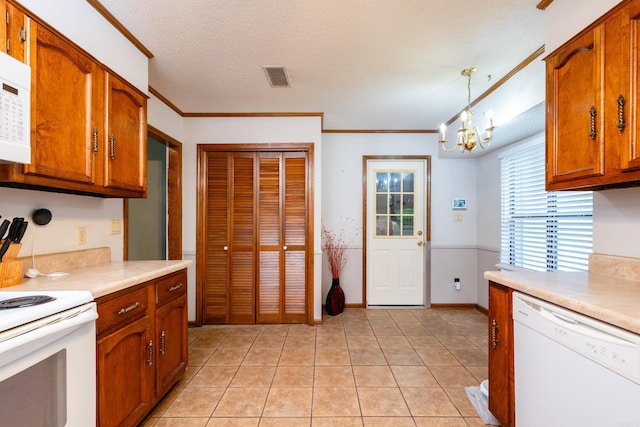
{"points": [[335, 246]]}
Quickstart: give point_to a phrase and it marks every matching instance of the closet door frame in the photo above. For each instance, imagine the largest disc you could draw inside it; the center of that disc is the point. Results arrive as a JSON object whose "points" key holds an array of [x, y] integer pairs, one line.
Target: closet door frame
{"points": [[201, 214]]}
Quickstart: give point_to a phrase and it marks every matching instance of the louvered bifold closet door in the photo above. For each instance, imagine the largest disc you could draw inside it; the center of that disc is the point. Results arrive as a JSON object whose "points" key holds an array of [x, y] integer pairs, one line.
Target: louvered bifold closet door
{"points": [[215, 292], [242, 240], [295, 232], [282, 219], [229, 279]]}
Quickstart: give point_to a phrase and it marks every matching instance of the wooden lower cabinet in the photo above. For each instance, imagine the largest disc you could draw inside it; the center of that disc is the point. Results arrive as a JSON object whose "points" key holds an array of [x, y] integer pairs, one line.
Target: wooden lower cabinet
{"points": [[141, 348], [171, 331], [125, 382], [501, 385]]}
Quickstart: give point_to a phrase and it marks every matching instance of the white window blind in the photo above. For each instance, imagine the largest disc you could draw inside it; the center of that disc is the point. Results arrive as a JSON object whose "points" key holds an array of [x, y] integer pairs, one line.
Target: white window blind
{"points": [[540, 230]]}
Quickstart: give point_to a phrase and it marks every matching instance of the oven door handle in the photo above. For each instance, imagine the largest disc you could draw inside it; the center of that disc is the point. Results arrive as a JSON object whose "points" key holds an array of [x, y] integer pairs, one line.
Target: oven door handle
{"points": [[27, 338]]}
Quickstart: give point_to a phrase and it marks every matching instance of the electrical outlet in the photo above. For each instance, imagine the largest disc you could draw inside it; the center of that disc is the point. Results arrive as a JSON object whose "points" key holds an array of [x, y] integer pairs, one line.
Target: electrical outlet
{"points": [[456, 283], [116, 227], [82, 235]]}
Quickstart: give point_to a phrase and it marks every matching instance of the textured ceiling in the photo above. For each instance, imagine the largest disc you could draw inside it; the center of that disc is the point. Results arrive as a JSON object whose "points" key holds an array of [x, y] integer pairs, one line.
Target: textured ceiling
{"points": [[365, 64]]}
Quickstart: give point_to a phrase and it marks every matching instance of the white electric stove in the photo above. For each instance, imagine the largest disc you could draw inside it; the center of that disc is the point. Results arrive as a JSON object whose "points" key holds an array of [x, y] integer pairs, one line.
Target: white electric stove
{"points": [[48, 358], [21, 307]]}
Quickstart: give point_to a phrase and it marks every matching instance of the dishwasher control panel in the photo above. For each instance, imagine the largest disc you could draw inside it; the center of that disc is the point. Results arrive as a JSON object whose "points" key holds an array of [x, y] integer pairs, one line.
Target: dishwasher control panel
{"points": [[612, 347]]}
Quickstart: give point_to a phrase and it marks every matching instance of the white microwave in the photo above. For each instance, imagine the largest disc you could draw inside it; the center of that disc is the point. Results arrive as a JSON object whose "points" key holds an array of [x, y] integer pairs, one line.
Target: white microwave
{"points": [[15, 110]]}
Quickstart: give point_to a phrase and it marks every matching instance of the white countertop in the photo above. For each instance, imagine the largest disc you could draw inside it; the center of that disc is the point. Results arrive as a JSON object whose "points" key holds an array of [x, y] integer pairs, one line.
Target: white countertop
{"points": [[103, 279], [607, 298]]}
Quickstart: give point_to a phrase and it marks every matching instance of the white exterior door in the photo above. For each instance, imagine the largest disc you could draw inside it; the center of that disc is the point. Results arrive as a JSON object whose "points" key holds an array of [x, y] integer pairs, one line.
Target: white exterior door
{"points": [[396, 232]]}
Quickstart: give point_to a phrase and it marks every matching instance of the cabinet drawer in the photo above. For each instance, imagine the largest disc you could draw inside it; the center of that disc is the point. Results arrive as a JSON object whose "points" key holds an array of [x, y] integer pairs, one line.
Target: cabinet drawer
{"points": [[170, 287], [124, 309]]}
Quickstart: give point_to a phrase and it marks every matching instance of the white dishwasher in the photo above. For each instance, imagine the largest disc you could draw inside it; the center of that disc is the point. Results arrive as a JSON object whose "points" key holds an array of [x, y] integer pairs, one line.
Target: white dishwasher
{"points": [[571, 370]]}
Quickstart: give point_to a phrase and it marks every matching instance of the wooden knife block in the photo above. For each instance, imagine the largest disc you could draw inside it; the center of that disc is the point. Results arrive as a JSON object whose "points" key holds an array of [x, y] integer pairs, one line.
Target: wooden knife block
{"points": [[10, 267]]}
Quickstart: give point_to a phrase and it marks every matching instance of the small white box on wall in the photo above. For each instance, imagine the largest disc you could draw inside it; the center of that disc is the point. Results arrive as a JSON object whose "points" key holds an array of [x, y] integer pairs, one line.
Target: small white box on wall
{"points": [[459, 204]]}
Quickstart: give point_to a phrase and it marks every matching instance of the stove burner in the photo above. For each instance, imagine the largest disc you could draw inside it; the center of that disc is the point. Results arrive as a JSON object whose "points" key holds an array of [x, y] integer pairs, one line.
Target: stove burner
{"points": [[26, 301]]}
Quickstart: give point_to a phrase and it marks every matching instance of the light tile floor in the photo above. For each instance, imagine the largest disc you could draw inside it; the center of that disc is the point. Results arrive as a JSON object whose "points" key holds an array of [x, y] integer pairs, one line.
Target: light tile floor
{"points": [[361, 368]]}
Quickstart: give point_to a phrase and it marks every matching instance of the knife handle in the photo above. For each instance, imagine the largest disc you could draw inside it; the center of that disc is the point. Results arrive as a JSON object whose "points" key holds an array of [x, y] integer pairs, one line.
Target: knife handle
{"points": [[20, 232], [4, 248], [4, 227]]}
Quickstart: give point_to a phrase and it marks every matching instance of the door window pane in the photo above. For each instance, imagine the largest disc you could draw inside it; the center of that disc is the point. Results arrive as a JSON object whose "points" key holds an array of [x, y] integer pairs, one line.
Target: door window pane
{"points": [[382, 180], [395, 203]]}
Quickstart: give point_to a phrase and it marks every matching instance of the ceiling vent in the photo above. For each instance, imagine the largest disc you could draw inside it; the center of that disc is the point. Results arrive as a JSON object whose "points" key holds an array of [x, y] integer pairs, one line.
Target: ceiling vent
{"points": [[277, 76]]}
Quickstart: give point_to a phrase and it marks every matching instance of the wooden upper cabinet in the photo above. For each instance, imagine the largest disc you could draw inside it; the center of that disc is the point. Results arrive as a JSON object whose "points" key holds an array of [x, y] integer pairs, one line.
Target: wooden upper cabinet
{"points": [[575, 139], [88, 127], [126, 149], [65, 121], [592, 98], [626, 26], [14, 33]]}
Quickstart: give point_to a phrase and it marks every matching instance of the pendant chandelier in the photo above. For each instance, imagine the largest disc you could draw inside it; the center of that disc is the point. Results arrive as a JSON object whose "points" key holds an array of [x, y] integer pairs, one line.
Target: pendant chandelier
{"points": [[468, 135]]}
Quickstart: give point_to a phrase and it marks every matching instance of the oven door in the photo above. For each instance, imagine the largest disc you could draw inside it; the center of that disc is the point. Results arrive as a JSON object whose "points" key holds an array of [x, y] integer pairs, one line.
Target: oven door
{"points": [[48, 371]]}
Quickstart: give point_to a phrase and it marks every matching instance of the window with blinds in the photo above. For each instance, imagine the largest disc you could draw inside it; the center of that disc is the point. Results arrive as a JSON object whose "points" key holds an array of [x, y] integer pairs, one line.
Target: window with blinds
{"points": [[540, 230]]}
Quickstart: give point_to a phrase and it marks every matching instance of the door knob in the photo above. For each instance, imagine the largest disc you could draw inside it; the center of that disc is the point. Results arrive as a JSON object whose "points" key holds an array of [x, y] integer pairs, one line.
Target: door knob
{"points": [[420, 243], [226, 248], [284, 248]]}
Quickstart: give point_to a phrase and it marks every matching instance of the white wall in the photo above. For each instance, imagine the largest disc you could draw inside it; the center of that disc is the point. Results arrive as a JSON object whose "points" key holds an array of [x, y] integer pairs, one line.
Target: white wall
{"points": [[452, 243], [337, 176], [239, 130], [566, 18], [81, 23], [163, 118], [488, 224], [616, 222], [68, 213]]}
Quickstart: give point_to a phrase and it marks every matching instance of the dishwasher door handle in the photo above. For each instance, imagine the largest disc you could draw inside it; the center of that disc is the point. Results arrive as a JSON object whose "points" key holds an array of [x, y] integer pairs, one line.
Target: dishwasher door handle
{"points": [[583, 329]]}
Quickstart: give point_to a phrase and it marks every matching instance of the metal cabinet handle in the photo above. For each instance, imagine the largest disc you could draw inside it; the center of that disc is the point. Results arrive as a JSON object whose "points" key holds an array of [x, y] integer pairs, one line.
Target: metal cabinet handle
{"points": [[150, 348], [592, 122], [494, 334], [175, 287], [95, 141], [112, 146], [621, 123], [128, 309], [420, 243], [22, 35], [162, 344]]}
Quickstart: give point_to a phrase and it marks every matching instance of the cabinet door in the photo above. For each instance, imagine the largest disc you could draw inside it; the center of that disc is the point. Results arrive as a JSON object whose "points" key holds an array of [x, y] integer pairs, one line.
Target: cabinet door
{"points": [[126, 139], [125, 374], [501, 386], [16, 31], [575, 110], [623, 90], [65, 97], [171, 336]]}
